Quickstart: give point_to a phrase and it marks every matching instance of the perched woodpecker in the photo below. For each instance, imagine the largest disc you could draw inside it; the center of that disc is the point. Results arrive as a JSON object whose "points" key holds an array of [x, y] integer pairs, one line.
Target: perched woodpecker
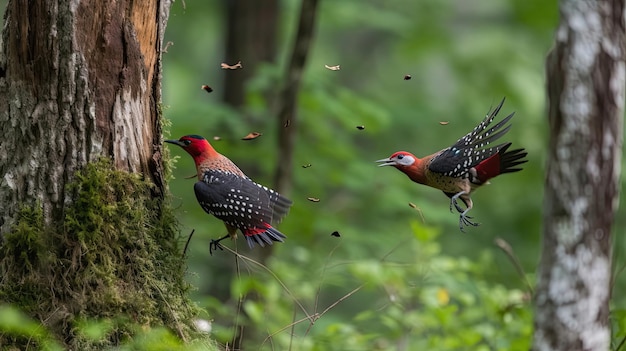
{"points": [[463, 167], [224, 191]]}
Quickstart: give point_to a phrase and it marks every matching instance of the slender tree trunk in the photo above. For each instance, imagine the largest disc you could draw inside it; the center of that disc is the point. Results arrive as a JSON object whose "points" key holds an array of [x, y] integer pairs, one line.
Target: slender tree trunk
{"points": [[288, 99], [586, 78], [251, 30], [80, 80]]}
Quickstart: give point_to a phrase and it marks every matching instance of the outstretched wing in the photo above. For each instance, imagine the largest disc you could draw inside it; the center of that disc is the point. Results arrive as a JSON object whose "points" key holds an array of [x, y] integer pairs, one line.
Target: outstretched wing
{"points": [[471, 149], [239, 201]]}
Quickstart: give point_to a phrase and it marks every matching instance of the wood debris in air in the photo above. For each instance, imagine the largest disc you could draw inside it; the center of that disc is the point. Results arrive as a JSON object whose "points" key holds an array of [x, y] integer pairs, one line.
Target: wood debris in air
{"points": [[207, 88], [407, 77], [252, 135], [235, 66], [306, 165], [335, 234], [167, 46], [443, 123], [217, 138], [333, 68], [287, 123], [313, 199], [360, 127]]}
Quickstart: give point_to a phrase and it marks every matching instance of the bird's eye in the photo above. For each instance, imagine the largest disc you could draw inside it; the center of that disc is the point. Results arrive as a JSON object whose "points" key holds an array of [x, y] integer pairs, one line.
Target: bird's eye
{"points": [[400, 157], [186, 142]]}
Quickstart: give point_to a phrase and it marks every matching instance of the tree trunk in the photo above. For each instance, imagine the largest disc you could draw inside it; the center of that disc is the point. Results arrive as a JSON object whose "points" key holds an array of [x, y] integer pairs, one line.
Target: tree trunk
{"points": [[586, 78], [251, 30], [78, 80], [85, 238]]}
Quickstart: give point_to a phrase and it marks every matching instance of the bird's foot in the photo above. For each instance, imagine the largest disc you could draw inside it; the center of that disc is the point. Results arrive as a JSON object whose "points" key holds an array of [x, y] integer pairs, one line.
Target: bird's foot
{"points": [[455, 203], [465, 220], [215, 244]]}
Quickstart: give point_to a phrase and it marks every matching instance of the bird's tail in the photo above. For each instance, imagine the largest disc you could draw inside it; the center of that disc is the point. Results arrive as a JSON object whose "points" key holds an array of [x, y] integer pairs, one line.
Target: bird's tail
{"points": [[263, 236], [502, 162], [510, 159]]}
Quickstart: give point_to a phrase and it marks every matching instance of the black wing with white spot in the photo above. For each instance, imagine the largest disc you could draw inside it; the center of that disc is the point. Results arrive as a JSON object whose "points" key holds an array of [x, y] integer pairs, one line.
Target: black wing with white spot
{"points": [[239, 201], [471, 149]]}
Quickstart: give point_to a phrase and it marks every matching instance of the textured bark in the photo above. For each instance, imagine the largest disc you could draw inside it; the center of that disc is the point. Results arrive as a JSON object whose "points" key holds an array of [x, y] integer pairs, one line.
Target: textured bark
{"points": [[78, 80], [586, 77]]}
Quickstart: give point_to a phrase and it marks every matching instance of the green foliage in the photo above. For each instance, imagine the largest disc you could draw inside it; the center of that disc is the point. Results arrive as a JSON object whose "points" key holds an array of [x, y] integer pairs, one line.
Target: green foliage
{"points": [[116, 257], [413, 295], [463, 58]]}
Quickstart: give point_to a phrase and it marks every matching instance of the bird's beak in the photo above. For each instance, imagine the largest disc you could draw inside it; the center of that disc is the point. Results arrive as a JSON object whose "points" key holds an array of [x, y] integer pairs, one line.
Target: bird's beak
{"points": [[175, 142], [386, 162]]}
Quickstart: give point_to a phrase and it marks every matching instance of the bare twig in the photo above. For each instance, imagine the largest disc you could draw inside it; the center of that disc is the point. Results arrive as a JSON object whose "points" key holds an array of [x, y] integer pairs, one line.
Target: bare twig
{"points": [[508, 250], [248, 259], [187, 243]]}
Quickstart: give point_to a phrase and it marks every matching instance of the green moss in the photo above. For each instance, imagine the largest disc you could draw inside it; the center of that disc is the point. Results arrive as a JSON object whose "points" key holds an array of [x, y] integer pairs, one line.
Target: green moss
{"points": [[115, 255]]}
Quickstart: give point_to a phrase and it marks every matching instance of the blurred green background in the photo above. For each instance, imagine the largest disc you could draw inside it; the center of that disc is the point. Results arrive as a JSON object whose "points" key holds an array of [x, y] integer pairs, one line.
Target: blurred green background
{"points": [[427, 286]]}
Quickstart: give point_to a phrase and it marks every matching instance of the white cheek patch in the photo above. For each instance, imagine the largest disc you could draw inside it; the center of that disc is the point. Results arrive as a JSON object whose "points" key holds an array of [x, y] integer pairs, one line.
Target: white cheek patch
{"points": [[406, 161]]}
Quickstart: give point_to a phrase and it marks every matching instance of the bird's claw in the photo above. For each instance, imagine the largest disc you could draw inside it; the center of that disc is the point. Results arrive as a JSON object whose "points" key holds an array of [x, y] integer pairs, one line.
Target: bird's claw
{"points": [[214, 245], [454, 203], [465, 220]]}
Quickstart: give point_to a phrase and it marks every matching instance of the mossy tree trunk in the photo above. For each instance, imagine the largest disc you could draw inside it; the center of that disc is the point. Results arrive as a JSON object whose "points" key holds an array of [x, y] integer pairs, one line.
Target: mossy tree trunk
{"points": [[82, 238], [586, 78]]}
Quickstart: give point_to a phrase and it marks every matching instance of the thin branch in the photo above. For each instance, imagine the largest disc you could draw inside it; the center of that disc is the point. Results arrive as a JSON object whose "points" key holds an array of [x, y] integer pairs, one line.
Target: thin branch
{"points": [[508, 250], [248, 259]]}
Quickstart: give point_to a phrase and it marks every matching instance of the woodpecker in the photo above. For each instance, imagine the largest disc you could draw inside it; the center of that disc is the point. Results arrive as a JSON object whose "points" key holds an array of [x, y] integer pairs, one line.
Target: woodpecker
{"points": [[225, 192], [465, 166]]}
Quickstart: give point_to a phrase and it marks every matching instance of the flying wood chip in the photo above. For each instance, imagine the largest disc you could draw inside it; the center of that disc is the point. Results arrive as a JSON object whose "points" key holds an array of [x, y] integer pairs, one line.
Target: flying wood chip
{"points": [[407, 77], [335, 234], [217, 138], [313, 199], [443, 123], [287, 123], [360, 127], [412, 205], [207, 88], [306, 165], [235, 66], [251, 136], [333, 68]]}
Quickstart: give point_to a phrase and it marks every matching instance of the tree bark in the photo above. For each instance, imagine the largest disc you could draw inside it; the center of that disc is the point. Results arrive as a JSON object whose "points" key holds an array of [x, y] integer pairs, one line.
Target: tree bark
{"points": [[586, 78], [78, 80]]}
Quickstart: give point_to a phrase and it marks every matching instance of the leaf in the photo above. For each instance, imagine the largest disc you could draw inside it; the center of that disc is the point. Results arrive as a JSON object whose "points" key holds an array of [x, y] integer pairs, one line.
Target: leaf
{"points": [[252, 135]]}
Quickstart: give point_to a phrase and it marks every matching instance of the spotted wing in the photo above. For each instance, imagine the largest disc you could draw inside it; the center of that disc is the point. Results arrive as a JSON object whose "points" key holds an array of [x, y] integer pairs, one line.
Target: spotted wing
{"points": [[471, 149], [239, 201]]}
